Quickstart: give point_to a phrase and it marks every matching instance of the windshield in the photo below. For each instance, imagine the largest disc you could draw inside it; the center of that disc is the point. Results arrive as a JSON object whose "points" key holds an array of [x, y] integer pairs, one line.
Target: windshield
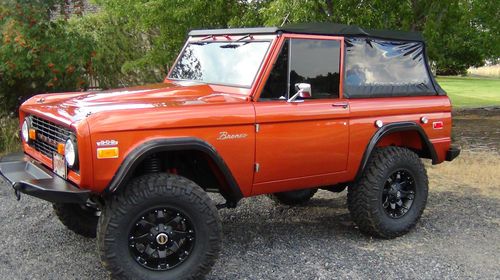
{"points": [[229, 63]]}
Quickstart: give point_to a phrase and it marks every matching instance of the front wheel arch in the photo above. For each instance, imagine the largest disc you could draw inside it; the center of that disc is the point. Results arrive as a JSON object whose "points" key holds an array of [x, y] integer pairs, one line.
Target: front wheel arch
{"points": [[229, 189]]}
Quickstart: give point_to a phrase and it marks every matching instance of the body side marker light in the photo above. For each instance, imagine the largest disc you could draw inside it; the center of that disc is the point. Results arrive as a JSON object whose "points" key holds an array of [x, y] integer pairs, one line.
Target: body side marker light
{"points": [[103, 153]]}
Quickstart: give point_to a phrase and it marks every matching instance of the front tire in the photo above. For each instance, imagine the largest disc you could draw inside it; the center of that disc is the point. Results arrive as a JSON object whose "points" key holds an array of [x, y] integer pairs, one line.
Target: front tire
{"points": [[391, 195], [160, 227], [79, 218]]}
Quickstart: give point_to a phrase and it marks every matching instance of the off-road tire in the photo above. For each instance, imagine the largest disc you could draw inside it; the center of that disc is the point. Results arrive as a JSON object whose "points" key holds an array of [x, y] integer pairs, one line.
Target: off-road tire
{"points": [[293, 197], [148, 192], [365, 196], [78, 218]]}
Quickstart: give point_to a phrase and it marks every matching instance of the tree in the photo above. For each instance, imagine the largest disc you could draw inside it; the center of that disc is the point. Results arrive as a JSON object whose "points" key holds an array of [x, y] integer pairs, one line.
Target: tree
{"points": [[116, 45], [163, 25], [37, 54], [459, 33]]}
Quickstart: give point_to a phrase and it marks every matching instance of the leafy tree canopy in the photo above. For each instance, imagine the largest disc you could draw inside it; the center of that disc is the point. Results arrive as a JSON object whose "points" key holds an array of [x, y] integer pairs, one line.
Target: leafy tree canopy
{"points": [[136, 41], [37, 54], [459, 33]]}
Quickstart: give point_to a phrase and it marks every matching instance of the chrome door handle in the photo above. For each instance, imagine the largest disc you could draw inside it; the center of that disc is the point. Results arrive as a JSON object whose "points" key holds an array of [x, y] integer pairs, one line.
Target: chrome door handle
{"points": [[341, 104]]}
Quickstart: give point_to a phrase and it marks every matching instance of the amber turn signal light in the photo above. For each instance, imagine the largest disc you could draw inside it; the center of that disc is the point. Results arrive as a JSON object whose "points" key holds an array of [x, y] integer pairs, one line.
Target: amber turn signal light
{"points": [[60, 148], [103, 153], [32, 134]]}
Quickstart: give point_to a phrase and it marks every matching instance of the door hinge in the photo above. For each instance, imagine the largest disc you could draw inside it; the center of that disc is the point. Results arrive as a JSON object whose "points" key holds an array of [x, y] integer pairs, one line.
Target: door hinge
{"points": [[257, 127], [257, 167]]}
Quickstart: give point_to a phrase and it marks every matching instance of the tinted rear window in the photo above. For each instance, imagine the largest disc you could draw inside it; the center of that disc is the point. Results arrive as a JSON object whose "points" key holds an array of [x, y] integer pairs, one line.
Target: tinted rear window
{"points": [[380, 68]]}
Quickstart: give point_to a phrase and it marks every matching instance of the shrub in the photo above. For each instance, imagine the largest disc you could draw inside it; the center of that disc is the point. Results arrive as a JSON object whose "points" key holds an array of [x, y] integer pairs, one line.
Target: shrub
{"points": [[9, 135]]}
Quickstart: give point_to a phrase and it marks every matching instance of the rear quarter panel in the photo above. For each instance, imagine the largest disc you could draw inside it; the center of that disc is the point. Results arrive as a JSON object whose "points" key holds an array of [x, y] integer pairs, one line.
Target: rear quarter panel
{"points": [[364, 113]]}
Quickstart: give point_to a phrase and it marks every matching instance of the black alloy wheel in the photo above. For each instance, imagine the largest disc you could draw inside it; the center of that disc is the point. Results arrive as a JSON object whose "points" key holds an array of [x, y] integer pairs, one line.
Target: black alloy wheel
{"points": [[161, 239], [398, 193]]}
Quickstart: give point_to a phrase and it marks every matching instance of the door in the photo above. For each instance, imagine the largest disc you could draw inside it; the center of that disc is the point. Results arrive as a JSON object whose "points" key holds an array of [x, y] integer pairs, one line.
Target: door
{"points": [[301, 143]]}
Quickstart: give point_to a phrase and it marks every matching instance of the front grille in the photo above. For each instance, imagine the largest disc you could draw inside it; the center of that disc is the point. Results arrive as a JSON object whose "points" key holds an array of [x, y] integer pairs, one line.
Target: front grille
{"points": [[48, 135]]}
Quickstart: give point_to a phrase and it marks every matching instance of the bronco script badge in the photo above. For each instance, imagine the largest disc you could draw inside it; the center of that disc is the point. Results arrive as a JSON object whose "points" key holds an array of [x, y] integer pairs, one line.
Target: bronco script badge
{"points": [[224, 135]]}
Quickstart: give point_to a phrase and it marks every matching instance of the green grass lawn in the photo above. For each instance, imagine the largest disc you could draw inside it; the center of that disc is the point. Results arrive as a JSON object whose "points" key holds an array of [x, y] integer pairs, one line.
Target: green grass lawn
{"points": [[471, 92]]}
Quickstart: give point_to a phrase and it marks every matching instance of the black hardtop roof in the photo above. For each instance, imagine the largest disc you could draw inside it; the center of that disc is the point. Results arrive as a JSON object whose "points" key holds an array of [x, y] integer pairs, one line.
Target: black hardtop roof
{"points": [[317, 29]]}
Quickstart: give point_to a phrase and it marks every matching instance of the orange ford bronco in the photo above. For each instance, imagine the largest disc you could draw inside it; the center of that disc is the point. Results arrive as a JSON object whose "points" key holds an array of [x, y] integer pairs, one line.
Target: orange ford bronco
{"points": [[243, 112]]}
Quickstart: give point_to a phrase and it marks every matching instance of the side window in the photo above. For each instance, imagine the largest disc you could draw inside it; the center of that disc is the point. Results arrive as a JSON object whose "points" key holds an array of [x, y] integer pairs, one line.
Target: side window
{"points": [[316, 62], [277, 84]]}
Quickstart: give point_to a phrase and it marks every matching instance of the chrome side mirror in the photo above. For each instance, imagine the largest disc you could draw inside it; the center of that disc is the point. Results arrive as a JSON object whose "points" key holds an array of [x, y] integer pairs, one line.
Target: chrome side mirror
{"points": [[303, 91]]}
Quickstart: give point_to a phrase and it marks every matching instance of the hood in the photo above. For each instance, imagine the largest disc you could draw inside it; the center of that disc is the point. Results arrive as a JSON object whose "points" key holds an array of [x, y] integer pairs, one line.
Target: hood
{"points": [[71, 107]]}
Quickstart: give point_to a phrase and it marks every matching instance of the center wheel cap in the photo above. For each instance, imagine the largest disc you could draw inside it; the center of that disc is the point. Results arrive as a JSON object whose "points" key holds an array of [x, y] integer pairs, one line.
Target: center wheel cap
{"points": [[162, 238]]}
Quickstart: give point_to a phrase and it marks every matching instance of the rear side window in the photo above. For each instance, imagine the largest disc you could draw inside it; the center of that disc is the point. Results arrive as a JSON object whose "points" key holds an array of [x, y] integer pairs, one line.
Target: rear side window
{"points": [[379, 68], [316, 62]]}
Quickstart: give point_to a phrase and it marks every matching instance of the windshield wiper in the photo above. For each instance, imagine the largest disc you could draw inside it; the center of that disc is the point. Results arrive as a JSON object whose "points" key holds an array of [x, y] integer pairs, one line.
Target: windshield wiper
{"points": [[233, 46], [200, 43]]}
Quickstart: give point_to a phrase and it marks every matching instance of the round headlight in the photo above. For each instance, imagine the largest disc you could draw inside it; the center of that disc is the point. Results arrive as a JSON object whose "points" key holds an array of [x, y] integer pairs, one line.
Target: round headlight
{"points": [[70, 153], [25, 131]]}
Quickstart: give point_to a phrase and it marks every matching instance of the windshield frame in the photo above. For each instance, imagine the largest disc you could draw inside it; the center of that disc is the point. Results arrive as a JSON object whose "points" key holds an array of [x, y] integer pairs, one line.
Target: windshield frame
{"points": [[195, 40]]}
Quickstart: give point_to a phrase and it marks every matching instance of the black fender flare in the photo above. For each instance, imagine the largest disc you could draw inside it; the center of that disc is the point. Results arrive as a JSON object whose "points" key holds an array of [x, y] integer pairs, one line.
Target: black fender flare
{"points": [[396, 127], [137, 155]]}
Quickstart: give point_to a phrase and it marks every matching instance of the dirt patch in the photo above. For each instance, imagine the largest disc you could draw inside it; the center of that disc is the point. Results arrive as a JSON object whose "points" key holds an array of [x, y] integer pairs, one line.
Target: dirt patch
{"points": [[474, 171], [477, 132], [477, 129]]}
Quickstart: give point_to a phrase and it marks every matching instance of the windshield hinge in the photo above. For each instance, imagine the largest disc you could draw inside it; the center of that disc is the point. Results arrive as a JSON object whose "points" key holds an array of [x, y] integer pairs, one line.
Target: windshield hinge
{"points": [[244, 37]]}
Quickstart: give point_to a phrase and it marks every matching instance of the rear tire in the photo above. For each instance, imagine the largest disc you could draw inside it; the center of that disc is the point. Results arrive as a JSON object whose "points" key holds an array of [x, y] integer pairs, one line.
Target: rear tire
{"points": [[391, 195], [293, 197], [160, 227], [79, 218]]}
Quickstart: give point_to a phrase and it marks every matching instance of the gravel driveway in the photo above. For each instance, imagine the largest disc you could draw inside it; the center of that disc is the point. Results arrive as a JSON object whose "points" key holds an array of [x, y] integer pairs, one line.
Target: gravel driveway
{"points": [[458, 237]]}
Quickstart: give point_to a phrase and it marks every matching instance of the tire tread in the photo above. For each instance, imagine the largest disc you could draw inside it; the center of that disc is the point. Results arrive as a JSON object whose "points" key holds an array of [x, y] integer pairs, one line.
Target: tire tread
{"points": [[84, 226], [144, 187], [367, 188]]}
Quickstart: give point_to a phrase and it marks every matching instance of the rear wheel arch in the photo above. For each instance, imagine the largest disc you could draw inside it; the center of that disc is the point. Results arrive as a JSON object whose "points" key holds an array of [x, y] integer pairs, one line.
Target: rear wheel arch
{"points": [[427, 149], [131, 165]]}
